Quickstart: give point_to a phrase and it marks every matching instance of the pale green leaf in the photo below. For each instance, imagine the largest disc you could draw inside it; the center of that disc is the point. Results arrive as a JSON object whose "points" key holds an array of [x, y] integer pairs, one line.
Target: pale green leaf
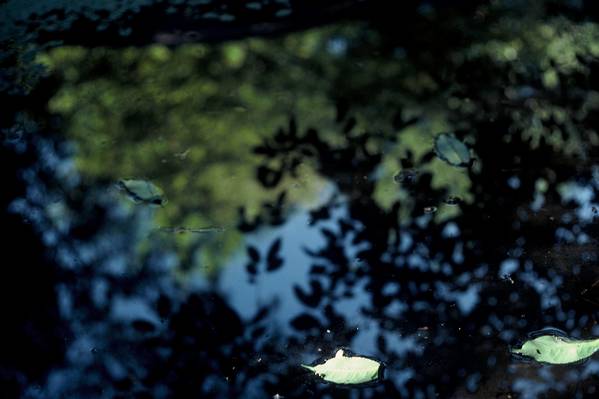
{"points": [[348, 370], [555, 349]]}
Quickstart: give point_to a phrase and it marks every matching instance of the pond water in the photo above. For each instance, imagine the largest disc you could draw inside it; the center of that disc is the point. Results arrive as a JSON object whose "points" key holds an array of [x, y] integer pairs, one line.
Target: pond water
{"points": [[200, 197]]}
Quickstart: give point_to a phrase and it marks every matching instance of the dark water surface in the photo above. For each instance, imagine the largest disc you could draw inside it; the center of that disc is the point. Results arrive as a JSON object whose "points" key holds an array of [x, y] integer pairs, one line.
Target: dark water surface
{"points": [[199, 196]]}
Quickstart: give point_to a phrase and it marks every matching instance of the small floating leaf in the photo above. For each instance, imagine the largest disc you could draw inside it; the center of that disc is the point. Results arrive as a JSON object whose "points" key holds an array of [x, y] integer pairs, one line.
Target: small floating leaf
{"points": [[451, 150], [452, 200], [196, 230], [348, 370], [549, 346], [142, 191]]}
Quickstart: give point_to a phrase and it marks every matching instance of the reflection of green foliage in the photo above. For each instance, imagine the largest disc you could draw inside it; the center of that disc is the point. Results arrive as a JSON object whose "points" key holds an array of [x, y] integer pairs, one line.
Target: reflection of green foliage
{"points": [[187, 118]]}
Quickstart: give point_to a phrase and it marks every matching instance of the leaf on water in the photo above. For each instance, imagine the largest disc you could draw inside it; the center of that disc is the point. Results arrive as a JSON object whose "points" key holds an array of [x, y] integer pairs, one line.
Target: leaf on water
{"points": [[554, 347], [348, 370], [452, 200], [194, 230], [451, 150], [142, 192]]}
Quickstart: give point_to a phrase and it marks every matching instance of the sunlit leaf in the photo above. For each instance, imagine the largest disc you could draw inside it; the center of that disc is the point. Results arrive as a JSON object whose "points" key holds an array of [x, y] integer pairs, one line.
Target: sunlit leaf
{"points": [[348, 370], [549, 346], [452, 150]]}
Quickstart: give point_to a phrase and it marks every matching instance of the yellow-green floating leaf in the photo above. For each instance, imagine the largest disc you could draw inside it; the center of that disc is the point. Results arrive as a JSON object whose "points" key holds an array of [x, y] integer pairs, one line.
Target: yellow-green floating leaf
{"points": [[348, 370], [550, 346]]}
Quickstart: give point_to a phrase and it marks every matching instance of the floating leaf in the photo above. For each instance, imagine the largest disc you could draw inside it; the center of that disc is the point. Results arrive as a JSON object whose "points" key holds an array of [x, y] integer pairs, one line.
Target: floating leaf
{"points": [[452, 150], [196, 230], [452, 200], [348, 370], [142, 191], [554, 347]]}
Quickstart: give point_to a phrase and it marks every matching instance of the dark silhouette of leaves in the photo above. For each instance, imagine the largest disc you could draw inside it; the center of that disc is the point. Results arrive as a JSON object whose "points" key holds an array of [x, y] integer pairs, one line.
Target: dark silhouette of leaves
{"points": [[253, 253], [143, 326], [305, 322], [349, 125], [311, 298], [273, 260], [269, 177]]}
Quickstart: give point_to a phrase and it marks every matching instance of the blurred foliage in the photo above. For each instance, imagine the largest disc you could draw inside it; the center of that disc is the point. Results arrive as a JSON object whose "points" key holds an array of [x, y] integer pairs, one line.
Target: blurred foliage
{"points": [[185, 119], [188, 117]]}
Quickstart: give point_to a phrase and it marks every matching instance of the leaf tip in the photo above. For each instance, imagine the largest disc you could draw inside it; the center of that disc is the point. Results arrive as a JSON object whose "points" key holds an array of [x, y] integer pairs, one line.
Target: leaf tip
{"points": [[307, 367]]}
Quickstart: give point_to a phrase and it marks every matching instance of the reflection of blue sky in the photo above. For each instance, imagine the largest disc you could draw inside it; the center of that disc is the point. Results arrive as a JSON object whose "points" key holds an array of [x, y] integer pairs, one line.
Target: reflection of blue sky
{"points": [[508, 267], [558, 379], [277, 287], [246, 297], [583, 196], [337, 46], [546, 289], [112, 253]]}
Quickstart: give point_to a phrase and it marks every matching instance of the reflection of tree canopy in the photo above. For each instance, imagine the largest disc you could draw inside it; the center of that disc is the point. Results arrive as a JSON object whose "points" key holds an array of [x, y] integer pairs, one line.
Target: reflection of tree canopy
{"points": [[446, 292]]}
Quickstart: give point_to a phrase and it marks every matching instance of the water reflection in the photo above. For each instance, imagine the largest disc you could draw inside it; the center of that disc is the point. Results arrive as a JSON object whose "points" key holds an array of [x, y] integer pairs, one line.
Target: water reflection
{"points": [[320, 220]]}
